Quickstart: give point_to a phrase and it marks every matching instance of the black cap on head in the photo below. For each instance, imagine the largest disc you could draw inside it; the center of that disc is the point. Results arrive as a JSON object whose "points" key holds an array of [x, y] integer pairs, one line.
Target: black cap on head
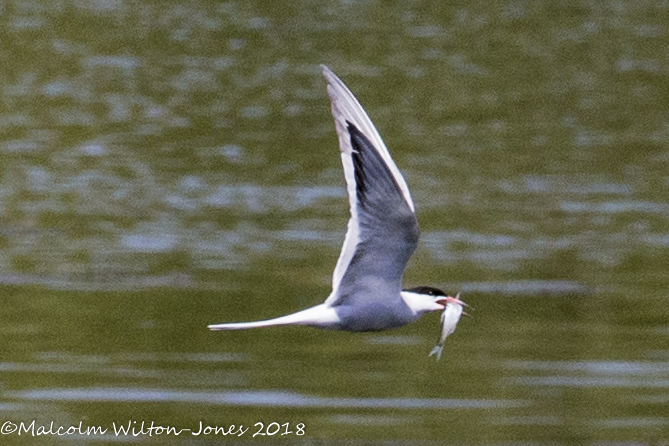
{"points": [[427, 290]]}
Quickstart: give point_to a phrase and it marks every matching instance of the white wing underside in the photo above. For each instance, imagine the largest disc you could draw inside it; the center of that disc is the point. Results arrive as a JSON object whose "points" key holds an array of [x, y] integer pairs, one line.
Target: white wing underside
{"points": [[345, 107]]}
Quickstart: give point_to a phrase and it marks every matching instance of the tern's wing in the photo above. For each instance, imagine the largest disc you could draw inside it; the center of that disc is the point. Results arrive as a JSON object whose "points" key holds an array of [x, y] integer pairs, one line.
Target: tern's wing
{"points": [[383, 230]]}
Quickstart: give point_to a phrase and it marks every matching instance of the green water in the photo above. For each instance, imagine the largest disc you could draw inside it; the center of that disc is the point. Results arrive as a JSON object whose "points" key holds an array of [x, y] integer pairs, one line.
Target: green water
{"points": [[166, 166]]}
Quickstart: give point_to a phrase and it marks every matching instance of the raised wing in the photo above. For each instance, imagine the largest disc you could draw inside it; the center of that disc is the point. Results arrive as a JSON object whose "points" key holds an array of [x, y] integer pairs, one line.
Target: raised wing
{"points": [[383, 230]]}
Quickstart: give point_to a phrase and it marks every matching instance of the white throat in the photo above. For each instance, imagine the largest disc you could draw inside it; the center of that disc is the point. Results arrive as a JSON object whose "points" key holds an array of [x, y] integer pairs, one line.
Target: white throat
{"points": [[420, 303]]}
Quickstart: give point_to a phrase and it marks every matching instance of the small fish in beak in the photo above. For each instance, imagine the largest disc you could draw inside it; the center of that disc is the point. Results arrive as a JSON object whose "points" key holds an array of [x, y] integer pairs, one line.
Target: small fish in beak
{"points": [[449, 319]]}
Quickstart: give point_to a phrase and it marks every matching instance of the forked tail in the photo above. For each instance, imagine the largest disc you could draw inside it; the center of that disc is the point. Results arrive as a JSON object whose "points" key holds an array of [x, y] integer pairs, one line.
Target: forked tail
{"points": [[319, 316], [246, 325]]}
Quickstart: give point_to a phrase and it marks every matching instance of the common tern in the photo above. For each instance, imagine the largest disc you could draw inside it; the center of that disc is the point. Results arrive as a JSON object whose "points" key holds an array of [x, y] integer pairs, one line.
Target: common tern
{"points": [[382, 235]]}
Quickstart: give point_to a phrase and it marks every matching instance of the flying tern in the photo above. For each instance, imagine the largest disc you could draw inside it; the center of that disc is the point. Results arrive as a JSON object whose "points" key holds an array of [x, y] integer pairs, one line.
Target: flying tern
{"points": [[382, 235]]}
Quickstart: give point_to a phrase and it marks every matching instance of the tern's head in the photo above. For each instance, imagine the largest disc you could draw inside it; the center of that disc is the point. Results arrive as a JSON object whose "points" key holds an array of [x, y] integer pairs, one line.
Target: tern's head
{"points": [[424, 298]]}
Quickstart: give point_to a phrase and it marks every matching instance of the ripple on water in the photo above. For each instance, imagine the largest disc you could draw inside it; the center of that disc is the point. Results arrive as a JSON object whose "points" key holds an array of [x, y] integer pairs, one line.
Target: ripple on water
{"points": [[601, 374], [265, 398], [526, 287]]}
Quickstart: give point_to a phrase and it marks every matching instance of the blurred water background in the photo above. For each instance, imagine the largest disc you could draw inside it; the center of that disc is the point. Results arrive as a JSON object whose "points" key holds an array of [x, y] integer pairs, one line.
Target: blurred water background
{"points": [[166, 165]]}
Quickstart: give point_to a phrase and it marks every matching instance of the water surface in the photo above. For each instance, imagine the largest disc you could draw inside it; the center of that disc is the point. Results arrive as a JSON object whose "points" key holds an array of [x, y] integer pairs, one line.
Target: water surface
{"points": [[168, 166]]}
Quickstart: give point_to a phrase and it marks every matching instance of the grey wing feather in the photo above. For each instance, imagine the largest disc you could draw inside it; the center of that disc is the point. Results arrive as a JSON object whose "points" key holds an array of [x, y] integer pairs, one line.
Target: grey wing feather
{"points": [[388, 229], [383, 230]]}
